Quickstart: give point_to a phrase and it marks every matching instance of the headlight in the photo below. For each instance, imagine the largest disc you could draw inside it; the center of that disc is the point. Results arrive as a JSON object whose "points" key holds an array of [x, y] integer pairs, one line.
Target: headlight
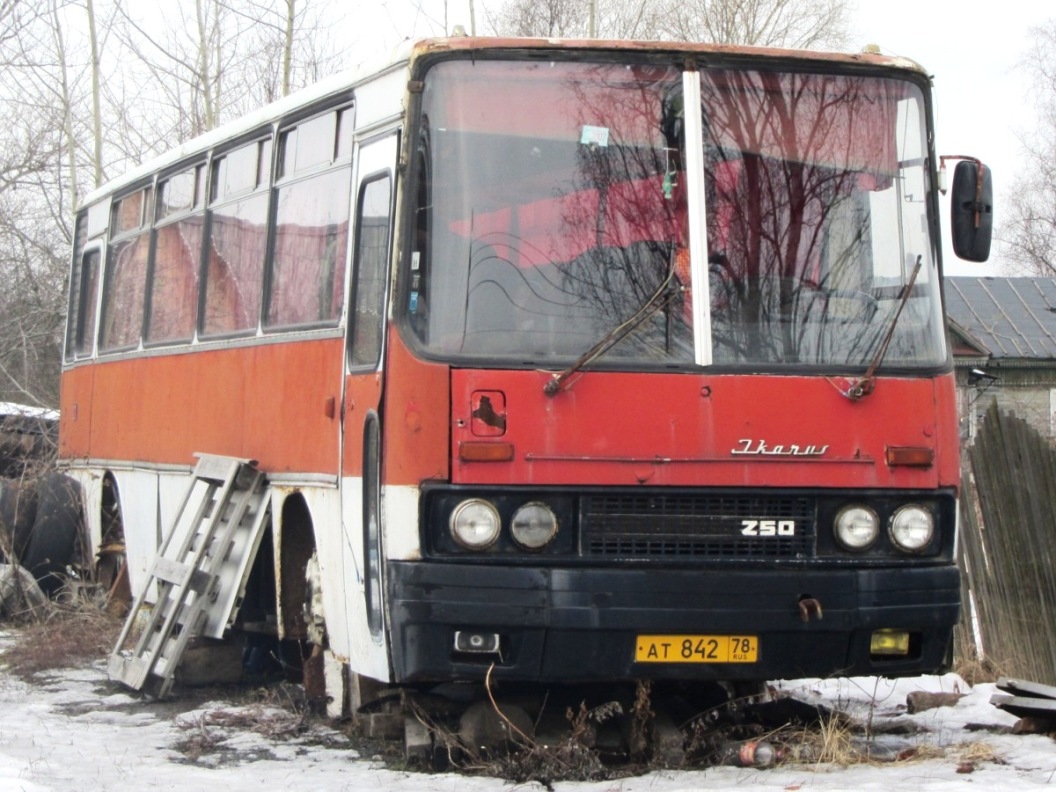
{"points": [[475, 524], [912, 528], [534, 525], [857, 527]]}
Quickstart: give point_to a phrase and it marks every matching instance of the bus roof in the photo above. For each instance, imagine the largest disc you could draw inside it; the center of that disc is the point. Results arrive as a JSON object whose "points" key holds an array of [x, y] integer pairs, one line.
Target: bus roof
{"points": [[409, 51]]}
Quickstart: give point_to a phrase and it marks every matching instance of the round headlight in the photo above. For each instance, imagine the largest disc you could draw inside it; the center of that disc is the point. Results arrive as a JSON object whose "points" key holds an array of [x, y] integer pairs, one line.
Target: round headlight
{"points": [[857, 527], [534, 525], [912, 528], [475, 524]]}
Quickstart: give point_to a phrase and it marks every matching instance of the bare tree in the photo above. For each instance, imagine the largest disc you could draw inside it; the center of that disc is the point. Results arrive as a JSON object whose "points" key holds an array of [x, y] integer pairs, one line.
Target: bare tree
{"points": [[547, 18], [208, 61], [15, 15], [577, 18], [91, 87], [769, 23], [34, 199], [1028, 231], [798, 24]]}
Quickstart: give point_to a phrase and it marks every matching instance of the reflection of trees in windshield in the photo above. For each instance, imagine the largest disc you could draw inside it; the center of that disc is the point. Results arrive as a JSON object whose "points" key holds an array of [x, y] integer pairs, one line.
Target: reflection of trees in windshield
{"points": [[794, 164], [556, 226], [630, 197], [552, 205]]}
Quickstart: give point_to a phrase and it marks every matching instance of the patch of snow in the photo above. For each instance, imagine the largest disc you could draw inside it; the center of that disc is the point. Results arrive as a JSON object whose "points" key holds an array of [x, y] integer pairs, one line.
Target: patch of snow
{"points": [[79, 731], [10, 408]]}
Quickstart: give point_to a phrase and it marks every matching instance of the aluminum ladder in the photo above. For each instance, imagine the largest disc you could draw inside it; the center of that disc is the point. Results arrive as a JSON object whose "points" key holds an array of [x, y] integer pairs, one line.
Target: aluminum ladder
{"points": [[199, 572]]}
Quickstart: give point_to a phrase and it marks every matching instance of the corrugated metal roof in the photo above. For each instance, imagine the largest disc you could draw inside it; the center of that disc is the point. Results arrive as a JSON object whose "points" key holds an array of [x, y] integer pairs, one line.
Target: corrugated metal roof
{"points": [[1011, 317]]}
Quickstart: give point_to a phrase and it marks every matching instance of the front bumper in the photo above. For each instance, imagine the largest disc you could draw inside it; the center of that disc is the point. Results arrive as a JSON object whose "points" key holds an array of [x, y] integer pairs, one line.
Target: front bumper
{"points": [[572, 624]]}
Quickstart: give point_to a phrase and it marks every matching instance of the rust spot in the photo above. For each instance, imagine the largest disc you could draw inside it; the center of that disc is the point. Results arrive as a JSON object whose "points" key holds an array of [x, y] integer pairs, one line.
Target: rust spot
{"points": [[297, 543], [314, 680], [489, 409]]}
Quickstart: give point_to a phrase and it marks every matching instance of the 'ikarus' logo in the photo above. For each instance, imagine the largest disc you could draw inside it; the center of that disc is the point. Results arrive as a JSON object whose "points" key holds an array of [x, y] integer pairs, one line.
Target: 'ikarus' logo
{"points": [[750, 447]]}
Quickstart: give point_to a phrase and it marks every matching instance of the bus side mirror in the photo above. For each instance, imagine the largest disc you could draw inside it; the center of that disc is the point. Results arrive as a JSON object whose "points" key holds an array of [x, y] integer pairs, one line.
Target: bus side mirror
{"points": [[972, 210]]}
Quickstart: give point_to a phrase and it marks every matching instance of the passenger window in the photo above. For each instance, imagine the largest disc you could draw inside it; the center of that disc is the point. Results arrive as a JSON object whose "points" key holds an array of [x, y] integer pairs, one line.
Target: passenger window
{"points": [[126, 275], [312, 205], [311, 246], [177, 258], [83, 326], [238, 225]]}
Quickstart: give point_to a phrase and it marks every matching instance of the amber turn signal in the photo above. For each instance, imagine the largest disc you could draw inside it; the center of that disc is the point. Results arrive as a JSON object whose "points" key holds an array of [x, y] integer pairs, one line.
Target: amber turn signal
{"points": [[471, 451], [910, 456]]}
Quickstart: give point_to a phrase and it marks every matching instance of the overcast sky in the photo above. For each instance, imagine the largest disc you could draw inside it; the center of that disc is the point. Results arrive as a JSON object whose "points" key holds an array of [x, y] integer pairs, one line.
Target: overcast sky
{"points": [[982, 99], [971, 47]]}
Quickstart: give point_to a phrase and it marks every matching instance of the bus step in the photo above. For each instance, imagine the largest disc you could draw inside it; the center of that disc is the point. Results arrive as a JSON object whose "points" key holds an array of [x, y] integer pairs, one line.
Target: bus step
{"points": [[199, 572]]}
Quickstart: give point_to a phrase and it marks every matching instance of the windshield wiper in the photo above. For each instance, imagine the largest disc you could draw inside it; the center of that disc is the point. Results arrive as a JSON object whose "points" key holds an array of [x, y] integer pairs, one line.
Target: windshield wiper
{"points": [[864, 386], [659, 299]]}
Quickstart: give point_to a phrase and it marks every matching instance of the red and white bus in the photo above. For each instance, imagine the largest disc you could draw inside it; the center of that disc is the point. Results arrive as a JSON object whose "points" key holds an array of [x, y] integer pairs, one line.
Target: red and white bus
{"points": [[576, 361]]}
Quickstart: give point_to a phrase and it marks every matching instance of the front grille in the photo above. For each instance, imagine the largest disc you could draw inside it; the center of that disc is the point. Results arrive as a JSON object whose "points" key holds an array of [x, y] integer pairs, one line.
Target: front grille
{"points": [[641, 525]]}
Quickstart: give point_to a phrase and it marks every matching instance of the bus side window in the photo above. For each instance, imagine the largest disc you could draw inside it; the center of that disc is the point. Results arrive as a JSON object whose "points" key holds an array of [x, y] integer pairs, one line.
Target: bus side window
{"points": [[372, 254], [237, 226], [83, 328], [175, 269], [124, 284]]}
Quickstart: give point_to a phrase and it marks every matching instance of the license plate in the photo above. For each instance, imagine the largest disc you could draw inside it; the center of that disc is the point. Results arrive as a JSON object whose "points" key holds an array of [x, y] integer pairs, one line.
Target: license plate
{"points": [[697, 649]]}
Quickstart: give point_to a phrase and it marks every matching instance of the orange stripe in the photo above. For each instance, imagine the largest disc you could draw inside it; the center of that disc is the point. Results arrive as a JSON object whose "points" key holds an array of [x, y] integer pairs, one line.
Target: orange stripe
{"points": [[266, 402]]}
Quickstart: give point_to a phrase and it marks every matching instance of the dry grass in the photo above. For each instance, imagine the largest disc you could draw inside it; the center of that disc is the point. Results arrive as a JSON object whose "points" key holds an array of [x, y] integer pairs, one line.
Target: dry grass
{"points": [[66, 635], [267, 721], [840, 744], [975, 670]]}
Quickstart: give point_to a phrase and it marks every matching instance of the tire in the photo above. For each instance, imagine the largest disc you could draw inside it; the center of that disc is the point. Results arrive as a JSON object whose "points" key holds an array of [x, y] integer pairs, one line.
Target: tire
{"points": [[18, 512], [53, 540]]}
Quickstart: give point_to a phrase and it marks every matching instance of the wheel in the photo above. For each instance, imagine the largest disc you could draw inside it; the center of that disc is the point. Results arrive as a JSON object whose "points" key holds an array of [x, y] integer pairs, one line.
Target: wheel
{"points": [[52, 542]]}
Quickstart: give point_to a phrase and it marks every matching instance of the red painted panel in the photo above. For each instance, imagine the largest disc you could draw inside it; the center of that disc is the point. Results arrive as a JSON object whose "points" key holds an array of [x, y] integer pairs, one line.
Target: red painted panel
{"points": [[362, 394], [416, 434], [75, 412], [721, 430], [948, 444], [269, 402], [292, 406]]}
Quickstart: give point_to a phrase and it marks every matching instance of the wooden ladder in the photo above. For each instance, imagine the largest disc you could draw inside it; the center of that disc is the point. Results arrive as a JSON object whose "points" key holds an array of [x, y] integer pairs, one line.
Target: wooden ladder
{"points": [[200, 572]]}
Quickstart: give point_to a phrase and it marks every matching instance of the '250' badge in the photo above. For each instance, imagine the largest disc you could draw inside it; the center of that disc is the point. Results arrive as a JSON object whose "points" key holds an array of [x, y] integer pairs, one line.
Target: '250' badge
{"points": [[768, 527]]}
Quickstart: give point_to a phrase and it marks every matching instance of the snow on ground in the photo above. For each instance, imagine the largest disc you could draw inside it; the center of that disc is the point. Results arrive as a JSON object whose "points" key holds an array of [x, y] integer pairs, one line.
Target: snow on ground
{"points": [[74, 730], [10, 408]]}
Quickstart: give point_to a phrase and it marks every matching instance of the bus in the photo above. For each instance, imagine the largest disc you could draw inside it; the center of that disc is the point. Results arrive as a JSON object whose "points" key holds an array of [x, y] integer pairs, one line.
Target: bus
{"points": [[564, 361]]}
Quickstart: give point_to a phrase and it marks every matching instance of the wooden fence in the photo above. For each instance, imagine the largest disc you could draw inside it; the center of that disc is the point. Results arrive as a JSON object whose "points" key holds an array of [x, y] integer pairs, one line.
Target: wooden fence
{"points": [[1008, 550]]}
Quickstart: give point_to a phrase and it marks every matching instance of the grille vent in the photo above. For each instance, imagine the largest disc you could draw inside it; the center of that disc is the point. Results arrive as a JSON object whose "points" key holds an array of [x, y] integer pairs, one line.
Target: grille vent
{"points": [[640, 525]]}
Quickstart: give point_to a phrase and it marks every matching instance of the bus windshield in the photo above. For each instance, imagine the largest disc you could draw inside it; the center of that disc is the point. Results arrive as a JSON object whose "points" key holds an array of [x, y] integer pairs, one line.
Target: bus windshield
{"points": [[551, 215]]}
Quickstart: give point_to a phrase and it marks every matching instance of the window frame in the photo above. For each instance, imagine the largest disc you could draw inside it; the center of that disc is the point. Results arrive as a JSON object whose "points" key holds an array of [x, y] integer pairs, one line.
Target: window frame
{"points": [[284, 179], [383, 174], [115, 242], [263, 138]]}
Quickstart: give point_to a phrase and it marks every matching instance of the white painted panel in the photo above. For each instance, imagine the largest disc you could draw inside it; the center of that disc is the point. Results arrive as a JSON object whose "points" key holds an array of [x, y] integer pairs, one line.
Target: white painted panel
{"points": [[399, 520], [138, 492], [91, 482], [380, 98], [366, 655]]}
